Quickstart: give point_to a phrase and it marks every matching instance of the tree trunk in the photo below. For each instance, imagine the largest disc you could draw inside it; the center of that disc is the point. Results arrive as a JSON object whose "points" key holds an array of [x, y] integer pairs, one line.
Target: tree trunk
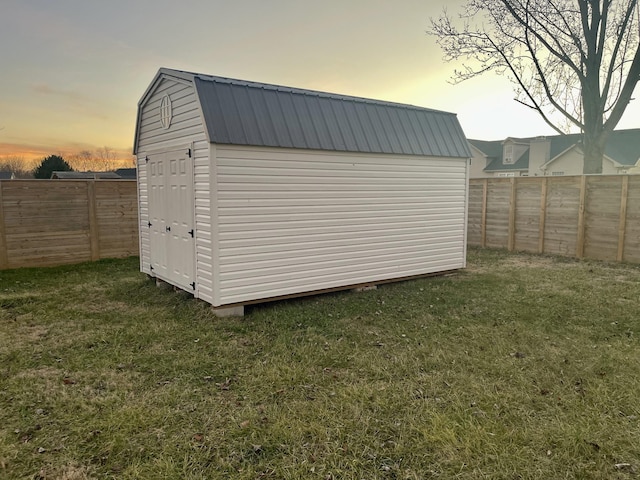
{"points": [[593, 147], [594, 136]]}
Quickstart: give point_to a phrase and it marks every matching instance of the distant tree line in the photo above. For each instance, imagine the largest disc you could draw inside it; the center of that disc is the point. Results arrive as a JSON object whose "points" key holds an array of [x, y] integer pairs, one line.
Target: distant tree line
{"points": [[101, 160]]}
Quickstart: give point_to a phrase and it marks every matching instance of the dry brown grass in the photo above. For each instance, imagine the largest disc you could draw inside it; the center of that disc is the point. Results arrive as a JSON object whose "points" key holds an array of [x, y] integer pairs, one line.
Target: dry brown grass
{"points": [[519, 367]]}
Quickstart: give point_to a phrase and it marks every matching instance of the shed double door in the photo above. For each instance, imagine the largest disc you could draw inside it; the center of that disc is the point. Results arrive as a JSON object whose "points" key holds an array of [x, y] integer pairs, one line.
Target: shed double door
{"points": [[171, 216]]}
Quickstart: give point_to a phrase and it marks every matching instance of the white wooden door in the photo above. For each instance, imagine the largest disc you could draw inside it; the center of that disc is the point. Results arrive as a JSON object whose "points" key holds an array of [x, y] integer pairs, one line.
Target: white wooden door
{"points": [[157, 233], [181, 242], [171, 217]]}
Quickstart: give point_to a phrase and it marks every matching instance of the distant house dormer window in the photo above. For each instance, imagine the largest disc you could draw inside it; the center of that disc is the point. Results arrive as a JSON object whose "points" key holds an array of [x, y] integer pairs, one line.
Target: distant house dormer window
{"points": [[507, 158], [166, 112]]}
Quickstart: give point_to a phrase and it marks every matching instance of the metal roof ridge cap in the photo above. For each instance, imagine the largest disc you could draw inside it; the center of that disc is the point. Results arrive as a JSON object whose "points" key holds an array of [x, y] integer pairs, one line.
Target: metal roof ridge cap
{"points": [[315, 93]]}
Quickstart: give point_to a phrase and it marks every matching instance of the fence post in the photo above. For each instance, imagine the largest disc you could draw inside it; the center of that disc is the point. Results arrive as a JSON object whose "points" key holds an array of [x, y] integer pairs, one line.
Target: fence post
{"points": [[483, 221], [622, 225], [543, 213], [511, 243], [94, 241], [581, 210], [4, 255]]}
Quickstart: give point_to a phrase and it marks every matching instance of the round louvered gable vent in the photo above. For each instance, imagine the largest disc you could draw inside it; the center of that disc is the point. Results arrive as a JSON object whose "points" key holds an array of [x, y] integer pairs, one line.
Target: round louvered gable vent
{"points": [[166, 112]]}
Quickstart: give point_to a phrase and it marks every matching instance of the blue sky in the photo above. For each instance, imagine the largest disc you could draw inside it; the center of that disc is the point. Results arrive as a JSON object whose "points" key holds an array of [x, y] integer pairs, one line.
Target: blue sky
{"points": [[74, 70]]}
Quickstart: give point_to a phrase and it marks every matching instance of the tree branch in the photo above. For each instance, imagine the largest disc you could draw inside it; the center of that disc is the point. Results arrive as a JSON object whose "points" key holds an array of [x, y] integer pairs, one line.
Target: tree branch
{"points": [[616, 49], [624, 98], [558, 54], [542, 114], [545, 83]]}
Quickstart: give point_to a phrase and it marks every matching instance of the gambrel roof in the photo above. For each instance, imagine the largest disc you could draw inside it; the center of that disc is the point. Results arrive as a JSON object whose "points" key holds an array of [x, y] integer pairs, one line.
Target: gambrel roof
{"points": [[239, 112]]}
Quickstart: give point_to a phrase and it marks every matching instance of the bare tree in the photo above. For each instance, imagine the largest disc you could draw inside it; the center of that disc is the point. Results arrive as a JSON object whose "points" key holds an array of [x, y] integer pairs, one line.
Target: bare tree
{"points": [[15, 164], [575, 62], [102, 159], [82, 161], [107, 158]]}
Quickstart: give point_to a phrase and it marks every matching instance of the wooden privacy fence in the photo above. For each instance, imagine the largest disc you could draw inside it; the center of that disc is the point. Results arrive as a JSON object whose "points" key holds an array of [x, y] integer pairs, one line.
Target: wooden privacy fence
{"points": [[583, 216], [53, 222]]}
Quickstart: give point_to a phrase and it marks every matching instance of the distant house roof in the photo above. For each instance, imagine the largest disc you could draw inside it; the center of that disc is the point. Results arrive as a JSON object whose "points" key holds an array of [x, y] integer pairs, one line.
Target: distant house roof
{"points": [[126, 173], [239, 112], [623, 147], [496, 165], [493, 150]]}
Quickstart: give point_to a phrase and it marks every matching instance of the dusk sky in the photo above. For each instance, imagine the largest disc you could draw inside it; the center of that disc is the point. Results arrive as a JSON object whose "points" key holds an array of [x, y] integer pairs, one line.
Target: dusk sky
{"points": [[72, 71]]}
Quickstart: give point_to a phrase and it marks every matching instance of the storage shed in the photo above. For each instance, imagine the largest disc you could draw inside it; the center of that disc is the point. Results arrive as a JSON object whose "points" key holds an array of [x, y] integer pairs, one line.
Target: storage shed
{"points": [[250, 192]]}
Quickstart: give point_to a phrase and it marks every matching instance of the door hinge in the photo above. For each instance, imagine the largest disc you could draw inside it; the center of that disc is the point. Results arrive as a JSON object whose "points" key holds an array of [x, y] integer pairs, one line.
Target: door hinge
{"points": [[191, 232], [167, 229], [149, 224], [146, 159], [151, 267], [189, 152], [193, 285]]}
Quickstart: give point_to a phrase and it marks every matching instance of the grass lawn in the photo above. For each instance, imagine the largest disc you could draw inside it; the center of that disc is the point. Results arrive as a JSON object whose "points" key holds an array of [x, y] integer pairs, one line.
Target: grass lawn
{"points": [[520, 366]]}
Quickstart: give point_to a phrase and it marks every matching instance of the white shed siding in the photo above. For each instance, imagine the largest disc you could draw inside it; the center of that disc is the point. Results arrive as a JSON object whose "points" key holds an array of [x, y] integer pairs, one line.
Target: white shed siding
{"points": [[186, 129], [203, 218], [143, 216], [292, 221]]}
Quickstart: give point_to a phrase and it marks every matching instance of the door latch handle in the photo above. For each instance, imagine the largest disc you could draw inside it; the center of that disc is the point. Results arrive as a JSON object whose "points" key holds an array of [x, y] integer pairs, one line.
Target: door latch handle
{"points": [[167, 229]]}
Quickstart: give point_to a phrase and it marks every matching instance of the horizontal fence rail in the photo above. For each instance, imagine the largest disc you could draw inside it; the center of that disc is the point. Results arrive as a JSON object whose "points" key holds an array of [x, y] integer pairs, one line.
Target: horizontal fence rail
{"points": [[594, 217], [55, 222]]}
